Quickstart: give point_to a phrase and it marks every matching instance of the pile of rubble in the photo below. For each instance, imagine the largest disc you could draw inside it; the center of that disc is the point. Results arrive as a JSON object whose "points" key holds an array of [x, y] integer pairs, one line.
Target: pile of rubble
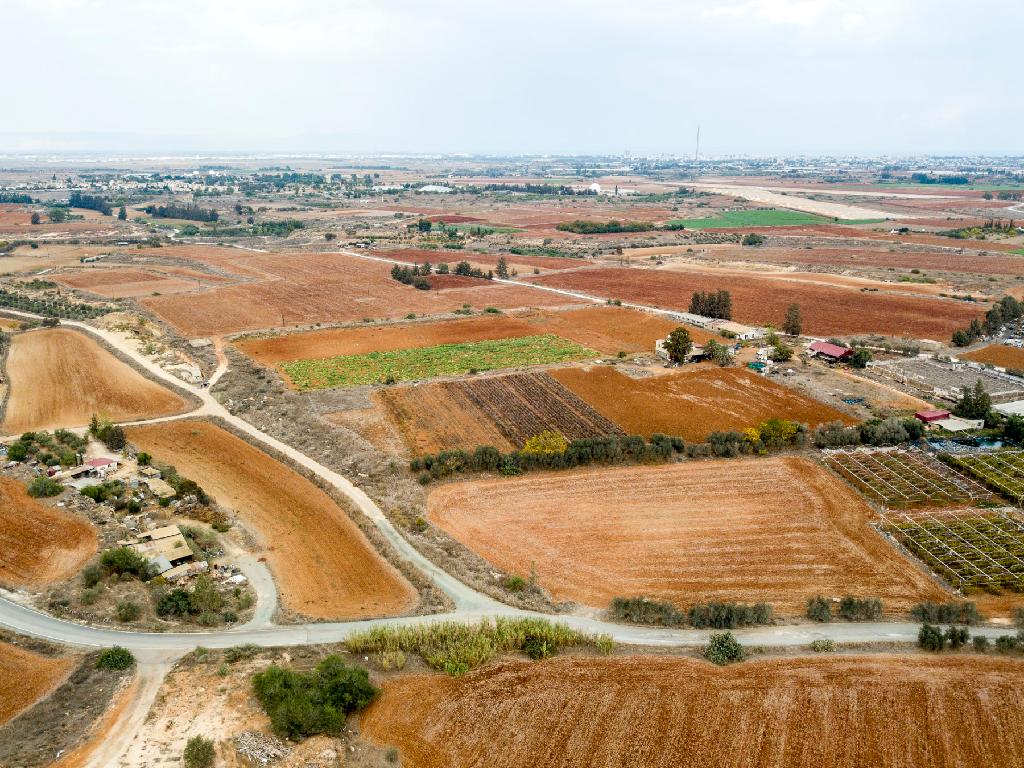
{"points": [[260, 749]]}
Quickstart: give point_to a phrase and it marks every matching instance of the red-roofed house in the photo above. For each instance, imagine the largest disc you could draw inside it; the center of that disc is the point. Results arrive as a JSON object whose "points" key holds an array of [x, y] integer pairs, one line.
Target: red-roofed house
{"points": [[830, 351], [101, 466], [935, 414]]}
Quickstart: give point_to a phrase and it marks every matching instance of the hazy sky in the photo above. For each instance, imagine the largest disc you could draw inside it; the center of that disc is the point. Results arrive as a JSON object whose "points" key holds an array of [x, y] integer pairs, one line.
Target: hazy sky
{"points": [[522, 76]]}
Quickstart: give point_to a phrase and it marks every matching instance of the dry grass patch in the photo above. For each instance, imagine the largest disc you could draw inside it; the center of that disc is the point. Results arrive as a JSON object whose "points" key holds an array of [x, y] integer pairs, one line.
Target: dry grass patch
{"points": [[25, 677], [776, 530], [998, 354]]}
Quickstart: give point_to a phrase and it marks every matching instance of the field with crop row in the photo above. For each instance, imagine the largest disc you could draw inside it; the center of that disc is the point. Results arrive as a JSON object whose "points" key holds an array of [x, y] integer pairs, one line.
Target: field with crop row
{"points": [[1002, 470], [967, 548], [431, 362], [903, 479], [769, 217]]}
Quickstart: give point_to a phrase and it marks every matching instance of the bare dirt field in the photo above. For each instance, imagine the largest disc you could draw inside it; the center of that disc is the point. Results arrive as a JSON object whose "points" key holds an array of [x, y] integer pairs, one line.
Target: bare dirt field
{"points": [[25, 677], [842, 712], [484, 261], [322, 288], [606, 329], [998, 354], [39, 544], [826, 309], [60, 378], [324, 566], [692, 402], [773, 529], [124, 283]]}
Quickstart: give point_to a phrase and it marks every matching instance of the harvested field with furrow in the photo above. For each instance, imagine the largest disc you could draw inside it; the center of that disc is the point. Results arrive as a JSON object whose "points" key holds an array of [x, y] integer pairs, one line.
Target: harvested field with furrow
{"points": [[60, 378], [773, 529], [323, 565], [827, 310], [1002, 355], [692, 403], [39, 544], [522, 405], [25, 677], [842, 712]]}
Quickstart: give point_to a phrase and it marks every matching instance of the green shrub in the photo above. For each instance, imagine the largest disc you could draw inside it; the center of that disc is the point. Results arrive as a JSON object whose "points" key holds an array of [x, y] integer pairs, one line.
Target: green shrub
{"points": [[819, 609], [515, 583], [1007, 643], [957, 637], [44, 487], [307, 703], [125, 560], [930, 638], [116, 658], [860, 609], [199, 753], [823, 645], [128, 611], [240, 652], [91, 576], [723, 649], [981, 643], [538, 647], [642, 610], [174, 603], [953, 612], [729, 615]]}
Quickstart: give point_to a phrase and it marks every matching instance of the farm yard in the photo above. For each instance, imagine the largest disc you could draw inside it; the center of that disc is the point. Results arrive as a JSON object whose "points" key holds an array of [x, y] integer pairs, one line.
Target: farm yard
{"points": [[432, 362], [691, 403], [26, 676], [933, 377], [1000, 470], [39, 544], [60, 378], [323, 565], [968, 548], [876, 710], [827, 310], [901, 479], [775, 529]]}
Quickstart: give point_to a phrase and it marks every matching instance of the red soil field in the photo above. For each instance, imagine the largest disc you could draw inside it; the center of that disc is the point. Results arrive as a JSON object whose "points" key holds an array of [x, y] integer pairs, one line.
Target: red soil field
{"points": [[452, 218], [121, 283], [827, 310], [323, 565], [60, 378], [998, 354], [882, 711], [607, 329], [776, 529], [483, 260], [693, 402], [26, 677], [321, 288], [39, 544]]}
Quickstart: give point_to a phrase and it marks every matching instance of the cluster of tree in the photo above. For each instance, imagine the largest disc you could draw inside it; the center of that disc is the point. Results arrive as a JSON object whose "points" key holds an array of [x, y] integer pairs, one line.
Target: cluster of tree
{"points": [[92, 202], [412, 275], [15, 197], [112, 435], [713, 615], [717, 304], [190, 212], [1006, 310], [44, 487], [954, 612], [579, 453], [54, 306], [752, 238], [202, 601], [643, 610], [720, 353], [932, 638], [850, 608], [925, 178], [586, 227], [61, 448], [125, 561], [890, 431], [302, 704], [466, 270], [275, 228], [974, 403], [990, 227], [538, 189]]}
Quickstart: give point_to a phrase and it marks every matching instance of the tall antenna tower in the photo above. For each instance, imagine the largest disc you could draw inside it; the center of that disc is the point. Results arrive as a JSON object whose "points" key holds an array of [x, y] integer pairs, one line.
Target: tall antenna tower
{"points": [[696, 152]]}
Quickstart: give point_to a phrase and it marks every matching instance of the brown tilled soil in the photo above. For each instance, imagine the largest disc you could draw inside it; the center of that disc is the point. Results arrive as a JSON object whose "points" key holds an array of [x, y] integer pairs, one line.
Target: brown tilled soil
{"points": [[60, 378], [324, 566], [692, 402], [39, 544], [773, 529], [998, 354], [827, 310], [121, 283], [843, 712], [25, 677]]}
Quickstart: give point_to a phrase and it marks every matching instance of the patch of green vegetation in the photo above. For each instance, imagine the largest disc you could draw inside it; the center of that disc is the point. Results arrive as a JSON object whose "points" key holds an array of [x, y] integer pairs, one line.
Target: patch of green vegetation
{"points": [[1018, 251], [477, 228], [429, 362], [769, 217], [861, 221]]}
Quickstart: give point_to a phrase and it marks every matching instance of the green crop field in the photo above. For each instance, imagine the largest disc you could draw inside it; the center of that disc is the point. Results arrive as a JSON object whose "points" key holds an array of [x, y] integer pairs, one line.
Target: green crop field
{"points": [[484, 228], [1001, 470], [772, 217], [1018, 251], [430, 362]]}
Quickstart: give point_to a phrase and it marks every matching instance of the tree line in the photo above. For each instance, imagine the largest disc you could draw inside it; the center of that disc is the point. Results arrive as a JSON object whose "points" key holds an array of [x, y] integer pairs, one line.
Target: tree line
{"points": [[91, 202], [190, 212], [15, 197], [717, 304]]}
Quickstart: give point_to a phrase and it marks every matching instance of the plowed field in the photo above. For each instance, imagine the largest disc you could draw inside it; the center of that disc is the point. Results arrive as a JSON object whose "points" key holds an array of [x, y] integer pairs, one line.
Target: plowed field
{"points": [[484, 261], [606, 329], [827, 310], [434, 417], [120, 283], [998, 354], [842, 712], [775, 529], [60, 378], [25, 677], [321, 288], [692, 403], [324, 566], [39, 544]]}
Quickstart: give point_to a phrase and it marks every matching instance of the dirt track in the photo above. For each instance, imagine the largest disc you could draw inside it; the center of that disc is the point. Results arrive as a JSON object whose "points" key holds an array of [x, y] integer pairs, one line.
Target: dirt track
{"points": [[323, 565], [39, 544], [773, 529], [60, 378], [841, 712]]}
